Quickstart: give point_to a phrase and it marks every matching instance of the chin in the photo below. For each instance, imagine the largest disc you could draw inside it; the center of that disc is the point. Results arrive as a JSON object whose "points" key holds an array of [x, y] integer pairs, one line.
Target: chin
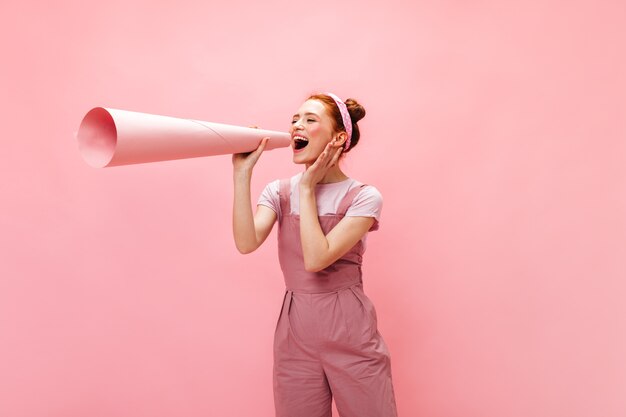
{"points": [[298, 159]]}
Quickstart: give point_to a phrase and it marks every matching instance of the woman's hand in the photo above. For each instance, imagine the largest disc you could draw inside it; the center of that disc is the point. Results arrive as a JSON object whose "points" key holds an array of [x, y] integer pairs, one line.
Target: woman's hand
{"points": [[316, 172], [244, 162]]}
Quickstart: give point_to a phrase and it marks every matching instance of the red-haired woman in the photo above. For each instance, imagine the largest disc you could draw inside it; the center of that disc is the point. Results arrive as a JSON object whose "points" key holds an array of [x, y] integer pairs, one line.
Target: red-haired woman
{"points": [[326, 342]]}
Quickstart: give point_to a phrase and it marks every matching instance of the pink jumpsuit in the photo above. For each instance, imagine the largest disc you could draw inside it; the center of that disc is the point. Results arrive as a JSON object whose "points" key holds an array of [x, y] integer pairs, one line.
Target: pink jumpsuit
{"points": [[326, 342]]}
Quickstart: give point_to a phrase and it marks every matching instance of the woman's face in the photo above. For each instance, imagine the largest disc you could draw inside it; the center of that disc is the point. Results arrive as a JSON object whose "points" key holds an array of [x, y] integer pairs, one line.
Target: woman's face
{"points": [[311, 130]]}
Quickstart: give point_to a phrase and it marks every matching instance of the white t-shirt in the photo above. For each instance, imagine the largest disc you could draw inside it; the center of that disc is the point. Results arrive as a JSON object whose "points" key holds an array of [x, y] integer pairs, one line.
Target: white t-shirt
{"points": [[367, 203]]}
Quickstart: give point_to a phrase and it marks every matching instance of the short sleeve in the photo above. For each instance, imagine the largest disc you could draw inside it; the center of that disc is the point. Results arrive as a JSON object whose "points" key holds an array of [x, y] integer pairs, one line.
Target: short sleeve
{"points": [[367, 203], [270, 198]]}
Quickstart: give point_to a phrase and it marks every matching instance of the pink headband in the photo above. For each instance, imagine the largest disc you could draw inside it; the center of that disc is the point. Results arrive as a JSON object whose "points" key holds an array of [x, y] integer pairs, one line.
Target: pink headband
{"points": [[345, 116]]}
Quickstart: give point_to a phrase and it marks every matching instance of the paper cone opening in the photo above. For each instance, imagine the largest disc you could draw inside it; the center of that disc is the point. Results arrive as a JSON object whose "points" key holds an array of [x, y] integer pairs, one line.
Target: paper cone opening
{"points": [[97, 137]]}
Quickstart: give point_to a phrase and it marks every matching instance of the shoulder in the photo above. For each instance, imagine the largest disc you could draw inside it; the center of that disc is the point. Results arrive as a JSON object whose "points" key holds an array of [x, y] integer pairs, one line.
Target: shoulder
{"points": [[368, 194], [272, 186], [367, 200], [367, 203]]}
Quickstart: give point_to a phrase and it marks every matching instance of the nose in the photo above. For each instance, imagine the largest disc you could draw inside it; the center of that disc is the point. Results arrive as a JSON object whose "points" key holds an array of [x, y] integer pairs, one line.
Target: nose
{"points": [[296, 125]]}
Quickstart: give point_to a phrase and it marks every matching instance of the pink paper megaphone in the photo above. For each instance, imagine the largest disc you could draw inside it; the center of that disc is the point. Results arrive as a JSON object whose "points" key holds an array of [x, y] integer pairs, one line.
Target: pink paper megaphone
{"points": [[110, 137]]}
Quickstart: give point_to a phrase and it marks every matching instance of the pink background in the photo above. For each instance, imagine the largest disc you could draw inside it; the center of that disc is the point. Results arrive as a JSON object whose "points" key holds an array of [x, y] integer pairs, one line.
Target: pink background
{"points": [[495, 131]]}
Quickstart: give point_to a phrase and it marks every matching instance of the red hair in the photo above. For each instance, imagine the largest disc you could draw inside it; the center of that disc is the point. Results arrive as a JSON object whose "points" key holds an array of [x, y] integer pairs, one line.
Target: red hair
{"points": [[357, 112]]}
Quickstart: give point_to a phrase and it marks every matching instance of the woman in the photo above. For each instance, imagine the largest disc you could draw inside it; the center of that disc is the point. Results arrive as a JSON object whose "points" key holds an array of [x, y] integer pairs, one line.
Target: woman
{"points": [[326, 342]]}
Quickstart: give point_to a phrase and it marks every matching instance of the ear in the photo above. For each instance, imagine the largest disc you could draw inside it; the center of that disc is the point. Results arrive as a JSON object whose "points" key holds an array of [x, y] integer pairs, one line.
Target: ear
{"points": [[340, 139]]}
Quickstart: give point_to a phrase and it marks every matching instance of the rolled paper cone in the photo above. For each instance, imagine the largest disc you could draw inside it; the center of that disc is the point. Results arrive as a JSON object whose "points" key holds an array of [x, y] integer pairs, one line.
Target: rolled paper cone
{"points": [[109, 137]]}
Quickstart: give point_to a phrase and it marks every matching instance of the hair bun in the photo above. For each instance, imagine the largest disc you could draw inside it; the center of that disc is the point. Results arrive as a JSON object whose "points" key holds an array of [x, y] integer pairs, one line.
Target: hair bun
{"points": [[357, 112]]}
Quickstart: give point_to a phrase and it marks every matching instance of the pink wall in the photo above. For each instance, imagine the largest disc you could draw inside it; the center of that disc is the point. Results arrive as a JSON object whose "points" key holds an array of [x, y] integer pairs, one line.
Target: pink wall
{"points": [[496, 133]]}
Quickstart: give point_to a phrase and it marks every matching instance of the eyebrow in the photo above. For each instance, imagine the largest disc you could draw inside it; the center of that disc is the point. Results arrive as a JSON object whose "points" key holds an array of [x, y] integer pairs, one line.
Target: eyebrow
{"points": [[307, 113]]}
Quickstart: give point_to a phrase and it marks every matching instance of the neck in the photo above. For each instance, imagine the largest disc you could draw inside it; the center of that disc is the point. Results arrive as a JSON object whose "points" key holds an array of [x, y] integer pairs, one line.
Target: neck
{"points": [[334, 174]]}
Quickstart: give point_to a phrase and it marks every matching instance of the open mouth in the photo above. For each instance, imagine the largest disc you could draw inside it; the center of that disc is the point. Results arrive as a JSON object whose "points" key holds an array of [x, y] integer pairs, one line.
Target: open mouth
{"points": [[300, 142]]}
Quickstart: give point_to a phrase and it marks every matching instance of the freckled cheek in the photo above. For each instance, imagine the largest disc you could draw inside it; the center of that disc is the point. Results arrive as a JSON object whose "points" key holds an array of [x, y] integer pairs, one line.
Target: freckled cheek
{"points": [[314, 129], [315, 132]]}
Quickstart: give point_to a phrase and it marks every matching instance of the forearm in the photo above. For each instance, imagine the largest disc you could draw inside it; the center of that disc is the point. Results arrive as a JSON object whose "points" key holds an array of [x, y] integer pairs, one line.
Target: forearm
{"points": [[315, 246], [243, 220]]}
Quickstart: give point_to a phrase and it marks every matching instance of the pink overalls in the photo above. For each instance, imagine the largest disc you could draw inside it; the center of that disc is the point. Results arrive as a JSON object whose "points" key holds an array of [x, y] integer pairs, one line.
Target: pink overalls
{"points": [[326, 342]]}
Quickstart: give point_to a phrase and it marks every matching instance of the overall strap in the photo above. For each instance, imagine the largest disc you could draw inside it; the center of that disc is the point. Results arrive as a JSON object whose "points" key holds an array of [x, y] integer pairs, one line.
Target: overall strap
{"points": [[346, 202], [284, 192]]}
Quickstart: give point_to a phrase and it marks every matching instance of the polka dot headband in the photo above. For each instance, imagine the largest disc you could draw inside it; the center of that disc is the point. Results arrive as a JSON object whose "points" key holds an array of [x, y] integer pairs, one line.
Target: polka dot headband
{"points": [[345, 116]]}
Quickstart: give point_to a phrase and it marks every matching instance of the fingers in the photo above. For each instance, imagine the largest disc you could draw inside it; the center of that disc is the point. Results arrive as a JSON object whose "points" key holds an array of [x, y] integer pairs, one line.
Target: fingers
{"points": [[256, 154], [250, 158], [333, 162], [262, 144], [327, 149], [318, 162], [329, 157], [321, 159]]}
